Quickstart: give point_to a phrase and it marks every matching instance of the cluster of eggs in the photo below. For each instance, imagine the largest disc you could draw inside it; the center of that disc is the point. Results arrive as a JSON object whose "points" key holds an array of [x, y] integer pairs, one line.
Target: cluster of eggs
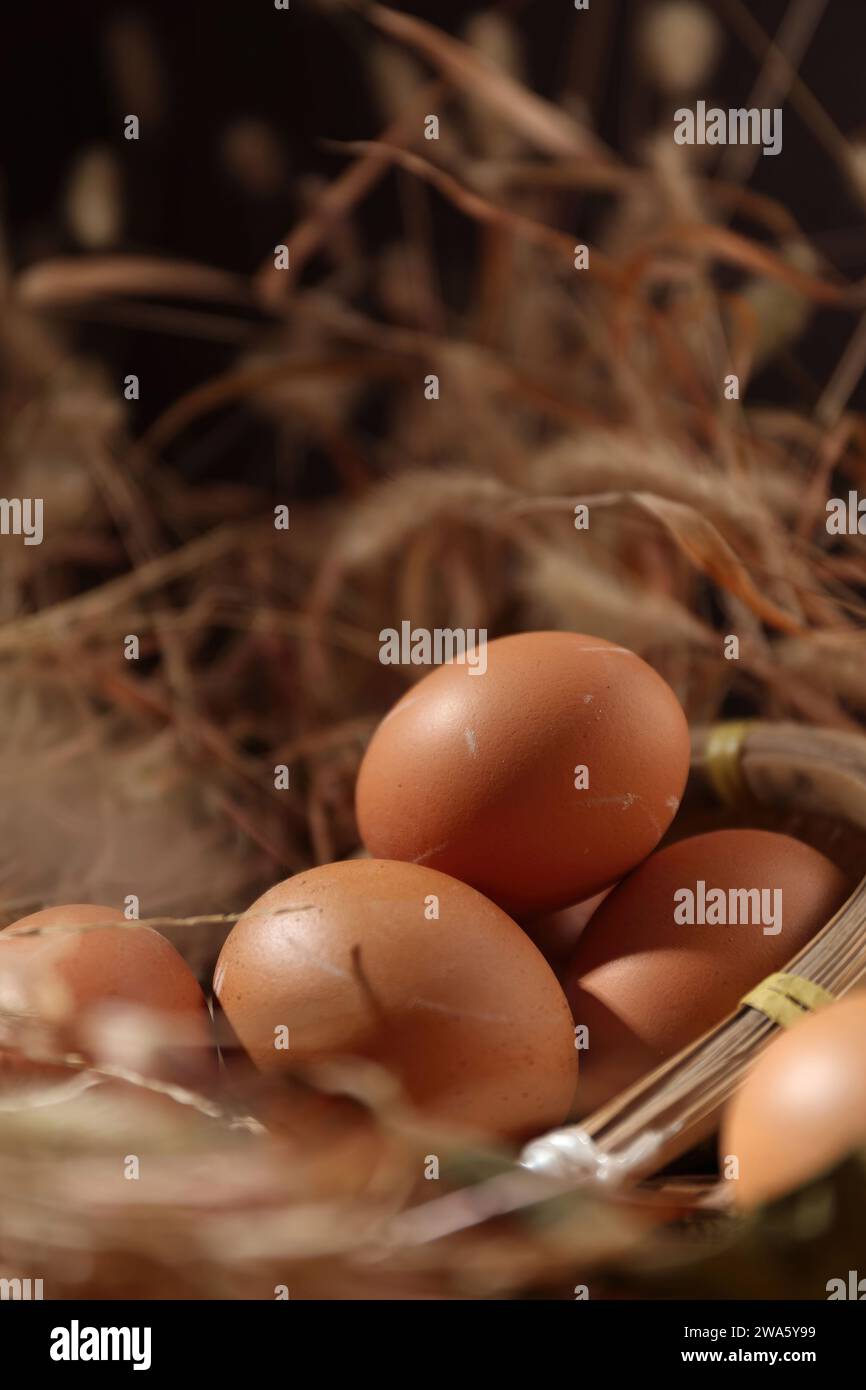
{"points": [[507, 944]]}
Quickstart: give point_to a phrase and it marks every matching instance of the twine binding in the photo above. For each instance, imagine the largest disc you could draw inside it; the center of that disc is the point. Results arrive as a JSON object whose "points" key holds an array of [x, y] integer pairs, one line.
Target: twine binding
{"points": [[785, 999], [723, 761]]}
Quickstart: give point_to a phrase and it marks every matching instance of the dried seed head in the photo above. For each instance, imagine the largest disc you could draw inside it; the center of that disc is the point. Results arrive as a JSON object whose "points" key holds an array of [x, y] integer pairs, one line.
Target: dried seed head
{"points": [[680, 42], [93, 204], [495, 38]]}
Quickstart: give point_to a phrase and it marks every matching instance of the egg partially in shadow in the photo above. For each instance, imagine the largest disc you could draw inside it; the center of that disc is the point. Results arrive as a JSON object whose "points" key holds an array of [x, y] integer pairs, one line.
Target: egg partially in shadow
{"points": [[81, 979], [663, 960], [409, 968], [556, 934], [802, 1107]]}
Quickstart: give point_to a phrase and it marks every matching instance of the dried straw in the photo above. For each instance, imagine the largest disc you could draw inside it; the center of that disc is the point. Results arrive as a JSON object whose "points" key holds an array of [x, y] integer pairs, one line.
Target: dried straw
{"points": [[601, 387]]}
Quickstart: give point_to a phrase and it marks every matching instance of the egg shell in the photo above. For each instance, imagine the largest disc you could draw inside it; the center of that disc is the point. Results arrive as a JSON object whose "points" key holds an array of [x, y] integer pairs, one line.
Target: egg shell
{"points": [[556, 934], [463, 1008], [646, 986], [802, 1107], [474, 773], [90, 990]]}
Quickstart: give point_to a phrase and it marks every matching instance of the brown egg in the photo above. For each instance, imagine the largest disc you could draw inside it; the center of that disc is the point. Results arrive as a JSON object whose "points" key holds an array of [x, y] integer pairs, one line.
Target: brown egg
{"points": [[556, 934], [802, 1108], [410, 968], [118, 994], [645, 985], [540, 781]]}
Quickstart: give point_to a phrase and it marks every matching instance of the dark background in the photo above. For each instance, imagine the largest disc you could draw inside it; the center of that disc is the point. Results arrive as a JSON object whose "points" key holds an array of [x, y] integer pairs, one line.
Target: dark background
{"points": [[303, 72]]}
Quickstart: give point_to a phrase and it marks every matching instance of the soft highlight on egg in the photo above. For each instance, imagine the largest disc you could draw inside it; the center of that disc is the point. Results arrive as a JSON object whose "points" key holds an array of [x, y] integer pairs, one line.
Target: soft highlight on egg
{"points": [[402, 965], [802, 1108], [644, 985], [87, 981], [540, 780]]}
